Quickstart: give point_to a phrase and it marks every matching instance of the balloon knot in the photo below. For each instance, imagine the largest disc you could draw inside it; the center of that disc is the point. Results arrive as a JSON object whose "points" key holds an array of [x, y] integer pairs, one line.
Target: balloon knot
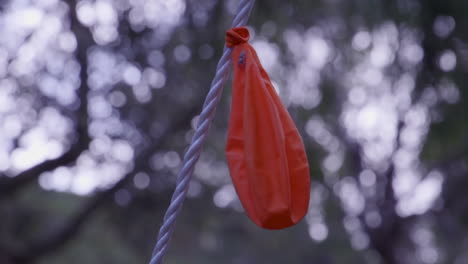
{"points": [[236, 36]]}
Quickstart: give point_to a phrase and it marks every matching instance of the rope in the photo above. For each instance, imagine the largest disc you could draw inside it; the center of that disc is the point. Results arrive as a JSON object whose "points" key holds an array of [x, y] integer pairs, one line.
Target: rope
{"points": [[193, 153]]}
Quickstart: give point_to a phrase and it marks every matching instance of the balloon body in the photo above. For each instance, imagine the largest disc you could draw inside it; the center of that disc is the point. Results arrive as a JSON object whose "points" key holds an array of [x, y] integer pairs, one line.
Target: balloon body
{"points": [[265, 153]]}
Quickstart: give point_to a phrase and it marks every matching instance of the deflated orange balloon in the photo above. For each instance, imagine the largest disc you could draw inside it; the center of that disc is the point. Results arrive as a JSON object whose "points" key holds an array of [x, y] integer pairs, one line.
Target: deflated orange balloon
{"points": [[264, 150]]}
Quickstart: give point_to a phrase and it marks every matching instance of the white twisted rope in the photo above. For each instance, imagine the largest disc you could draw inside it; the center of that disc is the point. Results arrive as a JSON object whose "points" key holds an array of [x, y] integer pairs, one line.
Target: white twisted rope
{"points": [[193, 153]]}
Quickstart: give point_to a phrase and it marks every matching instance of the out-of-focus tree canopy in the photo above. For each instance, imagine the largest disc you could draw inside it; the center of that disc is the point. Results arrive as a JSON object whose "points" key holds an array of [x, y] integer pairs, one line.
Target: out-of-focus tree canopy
{"points": [[99, 99]]}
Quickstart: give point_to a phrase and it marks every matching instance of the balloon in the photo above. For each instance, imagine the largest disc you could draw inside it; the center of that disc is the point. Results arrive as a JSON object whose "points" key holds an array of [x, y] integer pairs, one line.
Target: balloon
{"points": [[265, 153]]}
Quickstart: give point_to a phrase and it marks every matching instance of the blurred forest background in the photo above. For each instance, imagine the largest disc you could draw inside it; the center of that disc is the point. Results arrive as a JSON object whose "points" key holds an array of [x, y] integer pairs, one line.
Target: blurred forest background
{"points": [[98, 101]]}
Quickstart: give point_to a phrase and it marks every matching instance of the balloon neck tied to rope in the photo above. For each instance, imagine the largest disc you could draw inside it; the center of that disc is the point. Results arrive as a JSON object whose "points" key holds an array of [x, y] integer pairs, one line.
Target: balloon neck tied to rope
{"points": [[265, 153]]}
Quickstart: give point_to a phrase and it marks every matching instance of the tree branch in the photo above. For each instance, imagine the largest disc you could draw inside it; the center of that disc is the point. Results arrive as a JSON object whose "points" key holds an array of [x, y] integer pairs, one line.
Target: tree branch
{"points": [[69, 228], [58, 237], [10, 185]]}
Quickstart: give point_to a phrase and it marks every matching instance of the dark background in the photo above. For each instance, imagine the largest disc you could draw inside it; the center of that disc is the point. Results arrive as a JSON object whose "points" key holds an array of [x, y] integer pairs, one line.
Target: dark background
{"points": [[98, 100]]}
